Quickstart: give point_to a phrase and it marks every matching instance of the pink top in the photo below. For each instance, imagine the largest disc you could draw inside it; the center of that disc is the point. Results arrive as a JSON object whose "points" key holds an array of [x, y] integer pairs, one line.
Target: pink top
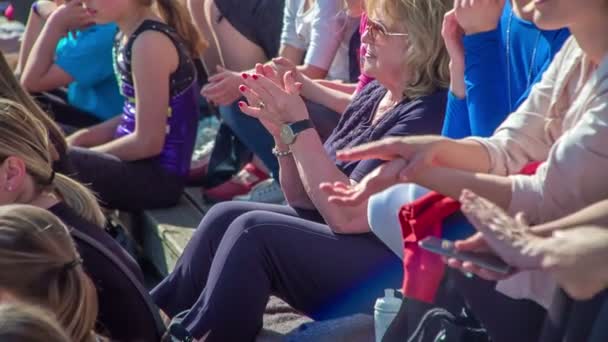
{"points": [[363, 78]]}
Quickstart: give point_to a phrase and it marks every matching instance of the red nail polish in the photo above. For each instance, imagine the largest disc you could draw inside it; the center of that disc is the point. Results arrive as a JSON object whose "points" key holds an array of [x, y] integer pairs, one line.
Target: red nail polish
{"points": [[241, 104], [255, 77], [242, 88], [244, 76]]}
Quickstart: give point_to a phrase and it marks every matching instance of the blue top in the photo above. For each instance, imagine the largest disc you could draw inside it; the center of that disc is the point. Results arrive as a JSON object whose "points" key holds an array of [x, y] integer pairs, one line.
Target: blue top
{"points": [[87, 57], [487, 74], [420, 116]]}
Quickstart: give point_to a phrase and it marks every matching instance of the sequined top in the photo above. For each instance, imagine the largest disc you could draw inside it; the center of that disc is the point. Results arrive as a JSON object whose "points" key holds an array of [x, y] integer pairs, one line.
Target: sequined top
{"points": [[182, 114]]}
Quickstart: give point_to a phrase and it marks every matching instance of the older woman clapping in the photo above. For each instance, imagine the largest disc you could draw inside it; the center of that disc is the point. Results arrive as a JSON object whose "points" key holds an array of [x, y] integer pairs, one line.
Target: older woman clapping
{"points": [[317, 256]]}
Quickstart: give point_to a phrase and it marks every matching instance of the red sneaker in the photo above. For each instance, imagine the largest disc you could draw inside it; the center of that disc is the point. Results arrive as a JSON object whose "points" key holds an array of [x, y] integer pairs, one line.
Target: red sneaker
{"points": [[239, 184]]}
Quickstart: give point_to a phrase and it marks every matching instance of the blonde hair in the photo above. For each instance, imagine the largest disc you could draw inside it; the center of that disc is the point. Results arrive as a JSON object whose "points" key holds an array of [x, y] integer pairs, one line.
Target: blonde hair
{"points": [[24, 136], [176, 15], [39, 264], [427, 57], [11, 89], [25, 323]]}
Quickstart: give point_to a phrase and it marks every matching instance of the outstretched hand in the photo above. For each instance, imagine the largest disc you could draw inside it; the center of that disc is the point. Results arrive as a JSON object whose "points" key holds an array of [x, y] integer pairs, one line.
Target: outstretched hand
{"points": [[351, 195], [419, 153], [222, 88], [510, 238]]}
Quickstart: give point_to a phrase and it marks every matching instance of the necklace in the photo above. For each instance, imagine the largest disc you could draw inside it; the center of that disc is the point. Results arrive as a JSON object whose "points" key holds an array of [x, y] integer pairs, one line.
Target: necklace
{"points": [[508, 51]]}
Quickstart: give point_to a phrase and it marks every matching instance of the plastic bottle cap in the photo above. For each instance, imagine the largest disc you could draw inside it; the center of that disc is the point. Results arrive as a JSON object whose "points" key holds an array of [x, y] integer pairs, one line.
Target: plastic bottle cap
{"points": [[389, 303]]}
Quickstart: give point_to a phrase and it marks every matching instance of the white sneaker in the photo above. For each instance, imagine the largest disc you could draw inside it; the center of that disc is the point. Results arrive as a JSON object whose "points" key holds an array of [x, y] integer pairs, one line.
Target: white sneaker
{"points": [[268, 191], [200, 160]]}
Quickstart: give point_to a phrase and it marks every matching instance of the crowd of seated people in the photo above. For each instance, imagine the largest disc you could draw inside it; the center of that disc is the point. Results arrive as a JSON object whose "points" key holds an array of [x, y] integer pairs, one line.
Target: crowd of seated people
{"points": [[380, 122]]}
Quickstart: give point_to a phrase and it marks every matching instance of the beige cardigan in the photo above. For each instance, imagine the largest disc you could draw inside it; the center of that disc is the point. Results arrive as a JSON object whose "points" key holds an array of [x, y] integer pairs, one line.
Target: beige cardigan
{"points": [[564, 122]]}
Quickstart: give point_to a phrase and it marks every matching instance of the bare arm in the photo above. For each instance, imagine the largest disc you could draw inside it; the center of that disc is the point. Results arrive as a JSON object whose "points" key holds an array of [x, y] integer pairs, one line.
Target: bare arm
{"points": [[312, 164], [451, 182], [594, 215], [95, 135], [348, 88], [154, 59], [333, 99], [40, 72], [315, 167]]}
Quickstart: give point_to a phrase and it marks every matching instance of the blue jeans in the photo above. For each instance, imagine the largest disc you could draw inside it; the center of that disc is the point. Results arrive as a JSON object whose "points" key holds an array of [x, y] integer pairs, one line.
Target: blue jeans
{"points": [[251, 132]]}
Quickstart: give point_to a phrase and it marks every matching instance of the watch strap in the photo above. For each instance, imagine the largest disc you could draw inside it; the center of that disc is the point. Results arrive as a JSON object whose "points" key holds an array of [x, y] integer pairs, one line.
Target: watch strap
{"points": [[302, 125]]}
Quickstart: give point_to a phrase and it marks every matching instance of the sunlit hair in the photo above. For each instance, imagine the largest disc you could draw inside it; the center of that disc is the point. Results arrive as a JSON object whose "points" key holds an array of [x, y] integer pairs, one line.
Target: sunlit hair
{"points": [[176, 15], [427, 57], [11, 89], [37, 266], [26, 323], [23, 136]]}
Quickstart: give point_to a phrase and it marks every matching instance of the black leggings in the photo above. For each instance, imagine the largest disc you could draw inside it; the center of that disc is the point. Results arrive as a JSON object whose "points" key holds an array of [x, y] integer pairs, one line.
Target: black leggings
{"points": [[125, 185], [243, 252]]}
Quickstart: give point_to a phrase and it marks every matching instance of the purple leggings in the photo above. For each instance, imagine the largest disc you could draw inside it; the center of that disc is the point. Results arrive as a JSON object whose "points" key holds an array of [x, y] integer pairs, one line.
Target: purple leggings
{"points": [[243, 252]]}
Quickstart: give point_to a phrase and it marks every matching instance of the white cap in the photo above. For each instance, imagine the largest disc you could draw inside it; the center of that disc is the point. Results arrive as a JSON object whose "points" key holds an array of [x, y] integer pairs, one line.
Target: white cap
{"points": [[389, 303]]}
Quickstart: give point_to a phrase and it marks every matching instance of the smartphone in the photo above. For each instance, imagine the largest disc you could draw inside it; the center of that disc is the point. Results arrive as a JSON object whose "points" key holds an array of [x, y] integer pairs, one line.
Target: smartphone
{"points": [[446, 248]]}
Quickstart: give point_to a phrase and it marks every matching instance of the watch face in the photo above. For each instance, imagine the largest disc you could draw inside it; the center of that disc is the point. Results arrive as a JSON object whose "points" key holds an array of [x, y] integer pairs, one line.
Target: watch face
{"points": [[287, 136]]}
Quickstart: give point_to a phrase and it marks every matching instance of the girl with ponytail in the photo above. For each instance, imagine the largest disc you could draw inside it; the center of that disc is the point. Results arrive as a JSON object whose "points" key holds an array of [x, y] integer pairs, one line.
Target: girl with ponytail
{"points": [[144, 153], [27, 177], [40, 265]]}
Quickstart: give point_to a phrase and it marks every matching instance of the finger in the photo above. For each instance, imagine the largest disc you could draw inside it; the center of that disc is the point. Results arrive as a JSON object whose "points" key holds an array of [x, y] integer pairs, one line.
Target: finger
{"points": [[267, 86], [251, 111], [341, 185], [349, 201], [413, 167], [343, 192], [290, 83], [282, 61], [219, 68], [475, 243], [272, 74], [253, 99], [259, 69], [213, 90], [255, 83], [329, 189], [217, 77]]}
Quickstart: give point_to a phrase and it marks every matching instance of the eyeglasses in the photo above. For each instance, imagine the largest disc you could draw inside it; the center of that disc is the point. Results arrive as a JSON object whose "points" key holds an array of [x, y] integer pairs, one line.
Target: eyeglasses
{"points": [[376, 29]]}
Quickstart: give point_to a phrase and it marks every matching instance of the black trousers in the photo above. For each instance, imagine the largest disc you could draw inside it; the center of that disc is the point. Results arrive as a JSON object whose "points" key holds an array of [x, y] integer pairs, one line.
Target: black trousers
{"points": [[243, 252], [125, 185]]}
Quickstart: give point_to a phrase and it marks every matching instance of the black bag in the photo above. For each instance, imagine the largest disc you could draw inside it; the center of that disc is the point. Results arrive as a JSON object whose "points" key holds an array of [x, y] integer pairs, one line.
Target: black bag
{"points": [[138, 312], [228, 157], [461, 328]]}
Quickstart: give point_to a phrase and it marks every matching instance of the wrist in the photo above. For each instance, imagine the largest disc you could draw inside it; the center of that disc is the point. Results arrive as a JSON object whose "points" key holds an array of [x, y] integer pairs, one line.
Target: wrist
{"points": [[481, 29]]}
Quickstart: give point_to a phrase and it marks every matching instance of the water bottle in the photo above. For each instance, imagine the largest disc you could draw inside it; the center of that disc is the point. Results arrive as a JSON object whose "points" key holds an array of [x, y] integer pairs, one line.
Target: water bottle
{"points": [[385, 311]]}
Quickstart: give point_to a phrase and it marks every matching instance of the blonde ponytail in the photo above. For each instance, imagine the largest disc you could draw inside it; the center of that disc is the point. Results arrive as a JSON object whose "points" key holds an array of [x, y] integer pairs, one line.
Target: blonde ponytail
{"points": [[79, 198], [24, 136], [40, 265]]}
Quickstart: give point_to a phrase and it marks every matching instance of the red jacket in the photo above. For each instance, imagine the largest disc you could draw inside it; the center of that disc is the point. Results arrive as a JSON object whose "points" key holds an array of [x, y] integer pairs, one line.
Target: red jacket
{"points": [[423, 270]]}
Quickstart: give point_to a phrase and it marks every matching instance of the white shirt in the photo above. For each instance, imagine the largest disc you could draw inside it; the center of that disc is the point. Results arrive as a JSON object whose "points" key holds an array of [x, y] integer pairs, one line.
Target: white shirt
{"points": [[324, 31]]}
